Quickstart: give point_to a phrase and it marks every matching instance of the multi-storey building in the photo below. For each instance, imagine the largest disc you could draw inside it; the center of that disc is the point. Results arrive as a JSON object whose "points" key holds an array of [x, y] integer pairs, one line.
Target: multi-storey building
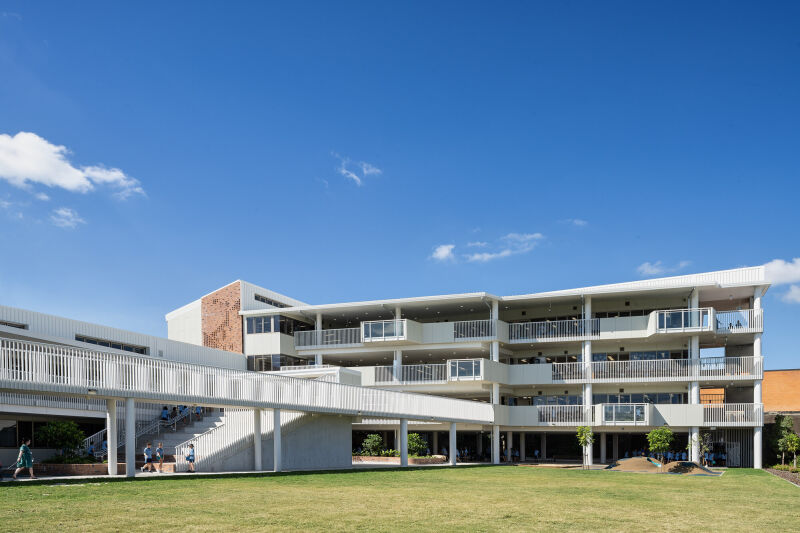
{"points": [[681, 351]]}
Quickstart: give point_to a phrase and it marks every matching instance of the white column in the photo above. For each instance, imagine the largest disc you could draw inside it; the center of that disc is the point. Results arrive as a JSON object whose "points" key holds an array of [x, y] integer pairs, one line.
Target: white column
{"points": [[111, 436], [521, 447], [403, 442], [495, 394], [397, 368], [602, 448], [509, 442], [435, 443], [130, 437], [694, 439], [757, 447], [495, 310], [587, 404], [544, 445], [496, 445], [318, 327], [277, 453], [453, 445], [587, 372], [495, 351], [694, 393], [615, 447], [398, 313], [257, 440]]}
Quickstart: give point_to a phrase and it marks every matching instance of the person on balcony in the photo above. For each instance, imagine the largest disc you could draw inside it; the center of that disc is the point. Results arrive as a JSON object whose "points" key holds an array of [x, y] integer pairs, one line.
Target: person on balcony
{"points": [[165, 413], [25, 459]]}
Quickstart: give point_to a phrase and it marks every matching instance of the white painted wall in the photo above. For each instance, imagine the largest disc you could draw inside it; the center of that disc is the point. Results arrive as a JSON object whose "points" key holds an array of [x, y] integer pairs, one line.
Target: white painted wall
{"points": [[269, 344], [186, 324]]}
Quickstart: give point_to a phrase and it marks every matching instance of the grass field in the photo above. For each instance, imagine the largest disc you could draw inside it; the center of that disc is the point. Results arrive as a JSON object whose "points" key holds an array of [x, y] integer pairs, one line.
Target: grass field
{"points": [[442, 499]]}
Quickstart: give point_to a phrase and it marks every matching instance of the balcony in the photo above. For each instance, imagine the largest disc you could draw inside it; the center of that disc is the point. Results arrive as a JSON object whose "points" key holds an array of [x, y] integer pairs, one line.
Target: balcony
{"points": [[470, 330], [623, 414], [465, 370], [411, 374], [556, 330], [654, 370], [742, 321], [561, 415], [684, 320], [733, 415], [327, 337]]}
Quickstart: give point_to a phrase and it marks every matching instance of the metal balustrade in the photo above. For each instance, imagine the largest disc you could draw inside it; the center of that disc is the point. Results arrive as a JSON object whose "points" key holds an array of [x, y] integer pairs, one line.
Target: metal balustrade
{"points": [[474, 329], [55, 402], [730, 367], [292, 368], [562, 415], [65, 370], [383, 330], [425, 373], [733, 414], [680, 320], [578, 329], [625, 414], [464, 370], [568, 372], [641, 370], [741, 321], [327, 337]]}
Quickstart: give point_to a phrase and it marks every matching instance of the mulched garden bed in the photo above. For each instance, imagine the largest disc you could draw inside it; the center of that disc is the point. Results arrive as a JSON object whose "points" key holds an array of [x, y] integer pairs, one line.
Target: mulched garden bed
{"points": [[788, 476]]}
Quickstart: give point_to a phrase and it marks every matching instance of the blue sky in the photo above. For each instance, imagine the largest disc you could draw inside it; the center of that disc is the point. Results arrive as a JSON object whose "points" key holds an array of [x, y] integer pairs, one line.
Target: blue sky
{"points": [[328, 151]]}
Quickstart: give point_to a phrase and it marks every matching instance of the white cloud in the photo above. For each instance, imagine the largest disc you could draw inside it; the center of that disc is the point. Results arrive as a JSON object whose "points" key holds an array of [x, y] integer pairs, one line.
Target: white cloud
{"points": [[41, 196], [654, 269], [27, 159], [478, 244], [443, 252], [577, 222], [345, 165], [64, 217], [511, 244], [780, 272], [792, 296]]}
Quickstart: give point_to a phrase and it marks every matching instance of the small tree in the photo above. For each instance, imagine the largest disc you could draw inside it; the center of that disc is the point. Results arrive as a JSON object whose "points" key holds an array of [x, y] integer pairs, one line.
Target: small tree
{"points": [[659, 440], [792, 445], [64, 435], [416, 444], [703, 443], [782, 446], [372, 445], [585, 438]]}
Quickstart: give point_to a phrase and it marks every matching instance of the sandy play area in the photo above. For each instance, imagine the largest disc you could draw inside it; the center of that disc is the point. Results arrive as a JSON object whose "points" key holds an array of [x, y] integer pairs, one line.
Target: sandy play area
{"points": [[651, 466]]}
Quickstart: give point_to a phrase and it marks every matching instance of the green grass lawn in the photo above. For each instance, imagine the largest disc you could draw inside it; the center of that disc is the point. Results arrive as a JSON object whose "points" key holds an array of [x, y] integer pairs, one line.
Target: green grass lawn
{"points": [[442, 499]]}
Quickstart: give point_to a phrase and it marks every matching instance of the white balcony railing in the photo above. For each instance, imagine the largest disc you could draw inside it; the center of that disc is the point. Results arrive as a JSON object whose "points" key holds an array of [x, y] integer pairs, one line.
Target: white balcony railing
{"points": [[625, 414], [568, 372], [742, 321], [474, 329], [641, 370], [733, 414], [310, 367], [554, 330], [425, 373], [730, 367], [562, 415], [684, 320], [327, 337], [383, 330], [464, 370]]}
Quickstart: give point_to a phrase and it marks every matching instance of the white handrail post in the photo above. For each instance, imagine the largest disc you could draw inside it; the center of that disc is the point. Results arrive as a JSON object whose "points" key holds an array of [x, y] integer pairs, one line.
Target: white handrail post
{"points": [[276, 440], [403, 442], [111, 436], [130, 437], [257, 440], [452, 449]]}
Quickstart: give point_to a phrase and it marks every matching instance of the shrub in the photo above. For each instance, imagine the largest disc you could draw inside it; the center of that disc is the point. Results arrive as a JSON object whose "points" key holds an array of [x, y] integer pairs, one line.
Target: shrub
{"points": [[372, 445], [585, 438], [416, 445], [659, 440], [64, 435]]}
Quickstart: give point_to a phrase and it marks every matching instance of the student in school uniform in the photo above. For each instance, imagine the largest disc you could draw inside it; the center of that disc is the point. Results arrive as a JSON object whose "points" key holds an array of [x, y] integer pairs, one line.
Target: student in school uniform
{"points": [[190, 458], [148, 458], [160, 457]]}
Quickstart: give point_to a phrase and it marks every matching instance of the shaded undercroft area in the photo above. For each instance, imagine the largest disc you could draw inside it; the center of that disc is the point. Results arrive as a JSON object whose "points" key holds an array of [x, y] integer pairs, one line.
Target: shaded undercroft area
{"points": [[445, 499]]}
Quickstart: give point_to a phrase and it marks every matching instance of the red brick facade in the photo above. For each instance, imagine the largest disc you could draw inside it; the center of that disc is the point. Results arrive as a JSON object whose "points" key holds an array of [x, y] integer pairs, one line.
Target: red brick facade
{"points": [[222, 325]]}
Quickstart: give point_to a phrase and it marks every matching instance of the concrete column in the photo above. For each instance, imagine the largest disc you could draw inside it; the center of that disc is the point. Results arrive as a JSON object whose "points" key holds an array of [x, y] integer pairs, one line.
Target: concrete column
{"points": [[495, 394], [111, 436], [257, 440], [403, 442], [544, 445], [694, 393], [435, 443], [495, 310], [495, 351], [277, 453], [318, 327], [694, 439], [509, 442], [521, 447], [496, 445], [397, 369], [757, 440], [587, 404], [398, 313], [602, 448], [130, 437], [759, 291], [479, 444], [453, 444]]}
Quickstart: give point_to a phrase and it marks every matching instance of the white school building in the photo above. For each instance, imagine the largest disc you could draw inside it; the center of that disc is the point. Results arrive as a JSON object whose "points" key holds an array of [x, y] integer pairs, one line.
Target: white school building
{"points": [[483, 377]]}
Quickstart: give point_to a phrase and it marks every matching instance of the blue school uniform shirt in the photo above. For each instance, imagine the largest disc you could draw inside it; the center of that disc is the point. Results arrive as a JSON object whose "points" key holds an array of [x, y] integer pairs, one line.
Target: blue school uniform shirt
{"points": [[191, 454], [148, 453], [159, 452]]}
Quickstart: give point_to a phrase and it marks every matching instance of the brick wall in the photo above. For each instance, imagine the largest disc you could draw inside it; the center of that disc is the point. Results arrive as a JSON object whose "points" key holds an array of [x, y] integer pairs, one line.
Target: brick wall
{"points": [[222, 325], [780, 390]]}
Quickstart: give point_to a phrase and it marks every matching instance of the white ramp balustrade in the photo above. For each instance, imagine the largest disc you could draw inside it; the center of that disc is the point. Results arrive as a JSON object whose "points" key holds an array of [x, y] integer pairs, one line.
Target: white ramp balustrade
{"points": [[62, 370]]}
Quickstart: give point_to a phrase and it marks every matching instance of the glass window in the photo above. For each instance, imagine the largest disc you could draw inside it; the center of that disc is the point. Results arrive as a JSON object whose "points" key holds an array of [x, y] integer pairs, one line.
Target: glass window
{"points": [[8, 434]]}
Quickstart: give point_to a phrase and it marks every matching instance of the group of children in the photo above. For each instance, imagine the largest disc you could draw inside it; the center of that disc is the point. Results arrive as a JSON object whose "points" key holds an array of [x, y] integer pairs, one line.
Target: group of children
{"points": [[153, 457]]}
